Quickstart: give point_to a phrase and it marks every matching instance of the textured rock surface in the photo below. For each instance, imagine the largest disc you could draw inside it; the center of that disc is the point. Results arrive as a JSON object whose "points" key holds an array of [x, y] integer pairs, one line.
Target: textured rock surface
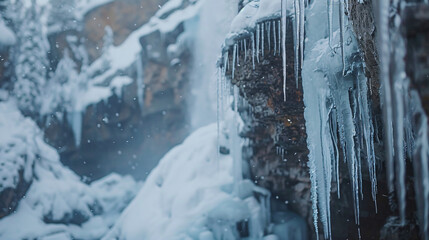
{"points": [[132, 138], [9, 197]]}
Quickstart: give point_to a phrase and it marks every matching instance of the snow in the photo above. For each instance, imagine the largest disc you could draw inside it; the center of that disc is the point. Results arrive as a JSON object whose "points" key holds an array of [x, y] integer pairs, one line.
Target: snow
{"points": [[118, 83], [57, 205], [184, 197], [255, 12], [18, 148], [7, 36], [85, 6]]}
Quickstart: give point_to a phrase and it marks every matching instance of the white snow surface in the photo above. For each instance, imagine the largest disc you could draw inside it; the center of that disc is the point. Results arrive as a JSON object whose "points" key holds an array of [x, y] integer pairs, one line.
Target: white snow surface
{"points": [[189, 195], [7, 36], [85, 6], [255, 12], [56, 193]]}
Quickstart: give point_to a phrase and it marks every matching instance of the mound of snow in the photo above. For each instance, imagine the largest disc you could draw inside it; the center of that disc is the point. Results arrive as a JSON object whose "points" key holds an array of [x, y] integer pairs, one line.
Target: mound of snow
{"points": [[57, 202], [189, 195]]}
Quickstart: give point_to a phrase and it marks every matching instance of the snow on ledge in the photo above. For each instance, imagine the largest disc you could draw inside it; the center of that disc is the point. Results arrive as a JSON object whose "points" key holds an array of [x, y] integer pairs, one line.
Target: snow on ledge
{"points": [[7, 37]]}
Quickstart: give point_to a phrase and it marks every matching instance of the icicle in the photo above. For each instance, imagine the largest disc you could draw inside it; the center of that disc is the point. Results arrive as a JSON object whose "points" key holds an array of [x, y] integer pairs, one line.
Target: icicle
{"points": [[367, 132], [218, 104], [236, 146], [301, 30], [387, 92], [334, 127], [275, 37], [280, 34], [253, 50], [258, 33], [262, 38], [297, 39], [283, 39], [234, 58], [421, 167], [269, 35], [347, 133], [330, 22], [341, 13], [398, 133], [238, 54], [245, 49], [75, 119], [140, 82]]}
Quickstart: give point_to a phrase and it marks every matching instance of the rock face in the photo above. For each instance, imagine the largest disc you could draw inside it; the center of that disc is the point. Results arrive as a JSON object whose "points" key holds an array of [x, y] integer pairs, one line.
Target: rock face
{"points": [[122, 16], [9, 197], [120, 135]]}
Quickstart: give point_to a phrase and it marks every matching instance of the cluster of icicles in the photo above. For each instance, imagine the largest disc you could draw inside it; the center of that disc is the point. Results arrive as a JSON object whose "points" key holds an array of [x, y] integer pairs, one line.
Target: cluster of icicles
{"points": [[343, 120]]}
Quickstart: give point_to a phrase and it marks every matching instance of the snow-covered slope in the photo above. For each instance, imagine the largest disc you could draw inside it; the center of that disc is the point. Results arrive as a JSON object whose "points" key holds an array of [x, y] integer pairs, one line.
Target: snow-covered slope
{"points": [[189, 195], [57, 201]]}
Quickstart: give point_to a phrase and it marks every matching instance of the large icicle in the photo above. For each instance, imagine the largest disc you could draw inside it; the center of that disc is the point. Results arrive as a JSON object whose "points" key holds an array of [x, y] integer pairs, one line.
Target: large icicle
{"points": [[341, 16], [301, 30], [275, 38], [330, 6], [400, 92], [297, 36], [269, 35], [283, 39], [234, 59], [384, 38]]}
